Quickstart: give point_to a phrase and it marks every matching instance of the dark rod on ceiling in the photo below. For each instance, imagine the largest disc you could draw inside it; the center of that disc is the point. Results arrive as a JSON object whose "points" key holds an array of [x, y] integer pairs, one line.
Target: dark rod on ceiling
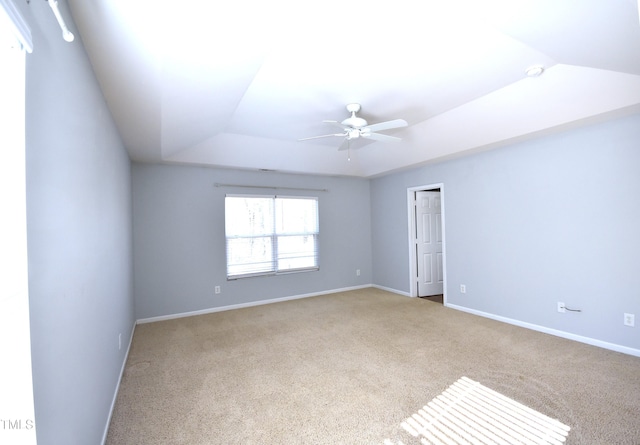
{"points": [[269, 187]]}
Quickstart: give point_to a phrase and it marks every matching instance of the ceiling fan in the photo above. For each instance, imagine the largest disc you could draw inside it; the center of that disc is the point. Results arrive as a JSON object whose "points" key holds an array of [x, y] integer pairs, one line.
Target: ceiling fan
{"points": [[355, 127]]}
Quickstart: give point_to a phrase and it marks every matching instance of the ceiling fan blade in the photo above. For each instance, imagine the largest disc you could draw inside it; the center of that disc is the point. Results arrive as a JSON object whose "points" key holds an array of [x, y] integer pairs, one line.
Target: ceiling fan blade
{"points": [[323, 136], [344, 145], [388, 125], [335, 124], [380, 137]]}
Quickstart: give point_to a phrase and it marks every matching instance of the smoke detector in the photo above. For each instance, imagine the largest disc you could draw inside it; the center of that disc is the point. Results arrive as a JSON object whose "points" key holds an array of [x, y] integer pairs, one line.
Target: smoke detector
{"points": [[534, 71]]}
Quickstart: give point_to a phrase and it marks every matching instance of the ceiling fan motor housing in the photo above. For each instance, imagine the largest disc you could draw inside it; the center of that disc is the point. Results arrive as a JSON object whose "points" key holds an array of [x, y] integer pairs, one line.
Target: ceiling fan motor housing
{"points": [[354, 121]]}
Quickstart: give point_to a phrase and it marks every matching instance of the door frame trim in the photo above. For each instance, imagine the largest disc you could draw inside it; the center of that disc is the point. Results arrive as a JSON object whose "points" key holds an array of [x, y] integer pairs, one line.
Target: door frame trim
{"points": [[413, 267]]}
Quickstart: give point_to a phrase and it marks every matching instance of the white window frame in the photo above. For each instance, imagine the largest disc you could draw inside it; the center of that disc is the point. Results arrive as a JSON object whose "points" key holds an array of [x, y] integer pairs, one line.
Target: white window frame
{"points": [[274, 256]]}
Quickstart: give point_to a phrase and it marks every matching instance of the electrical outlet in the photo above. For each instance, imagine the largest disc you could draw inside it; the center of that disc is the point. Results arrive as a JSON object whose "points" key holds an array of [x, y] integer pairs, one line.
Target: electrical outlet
{"points": [[217, 290], [358, 272], [561, 307], [629, 320], [463, 289]]}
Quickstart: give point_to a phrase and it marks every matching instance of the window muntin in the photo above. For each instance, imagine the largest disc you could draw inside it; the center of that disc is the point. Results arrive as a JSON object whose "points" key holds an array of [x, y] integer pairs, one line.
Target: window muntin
{"points": [[268, 235]]}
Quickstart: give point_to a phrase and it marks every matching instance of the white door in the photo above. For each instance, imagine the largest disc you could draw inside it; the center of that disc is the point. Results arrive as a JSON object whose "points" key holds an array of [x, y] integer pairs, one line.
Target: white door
{"points": [[429, 243]]}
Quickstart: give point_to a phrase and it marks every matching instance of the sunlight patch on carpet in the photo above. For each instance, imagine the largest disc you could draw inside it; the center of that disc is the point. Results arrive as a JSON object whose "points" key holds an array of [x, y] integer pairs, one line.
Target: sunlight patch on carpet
{"points": [[470, 413]]}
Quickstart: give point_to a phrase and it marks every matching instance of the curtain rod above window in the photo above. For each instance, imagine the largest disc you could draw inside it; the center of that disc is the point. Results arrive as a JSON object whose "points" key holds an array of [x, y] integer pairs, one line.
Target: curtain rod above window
{"points": [[269, 187], [19, 25]]}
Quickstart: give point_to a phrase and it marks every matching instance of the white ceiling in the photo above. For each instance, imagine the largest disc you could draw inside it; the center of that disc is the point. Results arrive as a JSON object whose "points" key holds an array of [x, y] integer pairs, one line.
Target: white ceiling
{"points": [[237, 83]]}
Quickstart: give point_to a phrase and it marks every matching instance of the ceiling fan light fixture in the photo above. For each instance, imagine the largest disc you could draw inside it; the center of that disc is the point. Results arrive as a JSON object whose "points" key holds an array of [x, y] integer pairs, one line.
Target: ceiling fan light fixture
{"points": [[353, 134], [534, 71], [355, 127]]}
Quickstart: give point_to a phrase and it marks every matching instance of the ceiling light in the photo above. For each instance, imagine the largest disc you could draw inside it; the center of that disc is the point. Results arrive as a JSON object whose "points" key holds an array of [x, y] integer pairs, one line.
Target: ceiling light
{"points": [[534, 71]]}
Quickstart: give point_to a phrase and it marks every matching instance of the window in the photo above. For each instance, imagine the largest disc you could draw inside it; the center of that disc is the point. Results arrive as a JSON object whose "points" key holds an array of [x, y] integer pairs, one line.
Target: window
{"points": [[268, 235]]}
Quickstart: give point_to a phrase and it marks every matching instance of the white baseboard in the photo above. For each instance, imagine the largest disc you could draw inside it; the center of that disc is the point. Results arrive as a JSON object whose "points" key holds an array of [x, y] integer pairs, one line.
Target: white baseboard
{"points": [[389, 289], [244, 305], [546, 330], [115, 393]]}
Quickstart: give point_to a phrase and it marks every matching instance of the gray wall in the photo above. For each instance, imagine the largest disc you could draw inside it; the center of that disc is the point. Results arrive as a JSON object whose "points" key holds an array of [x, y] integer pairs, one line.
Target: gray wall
{"points": [[179, 238], [528, 225], [79, 238]]}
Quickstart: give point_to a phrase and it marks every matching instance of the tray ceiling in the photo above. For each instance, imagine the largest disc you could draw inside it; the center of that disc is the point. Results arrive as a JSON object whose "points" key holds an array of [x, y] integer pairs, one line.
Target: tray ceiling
{"points": [[236, 84]]}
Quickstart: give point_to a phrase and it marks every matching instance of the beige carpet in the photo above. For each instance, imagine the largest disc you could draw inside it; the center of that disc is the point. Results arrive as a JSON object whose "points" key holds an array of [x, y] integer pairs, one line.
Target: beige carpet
{"points": [[349, 368]]}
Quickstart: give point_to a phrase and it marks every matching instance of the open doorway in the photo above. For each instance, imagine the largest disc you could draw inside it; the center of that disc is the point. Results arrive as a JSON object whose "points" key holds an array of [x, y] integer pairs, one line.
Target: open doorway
{"points": [[427, 242]]}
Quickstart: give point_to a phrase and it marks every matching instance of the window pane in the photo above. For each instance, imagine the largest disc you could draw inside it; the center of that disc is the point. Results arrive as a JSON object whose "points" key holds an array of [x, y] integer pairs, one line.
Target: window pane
{"points": [[267, 234], [296, 215], [248, 216], [297, 252], [249, 255]]}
